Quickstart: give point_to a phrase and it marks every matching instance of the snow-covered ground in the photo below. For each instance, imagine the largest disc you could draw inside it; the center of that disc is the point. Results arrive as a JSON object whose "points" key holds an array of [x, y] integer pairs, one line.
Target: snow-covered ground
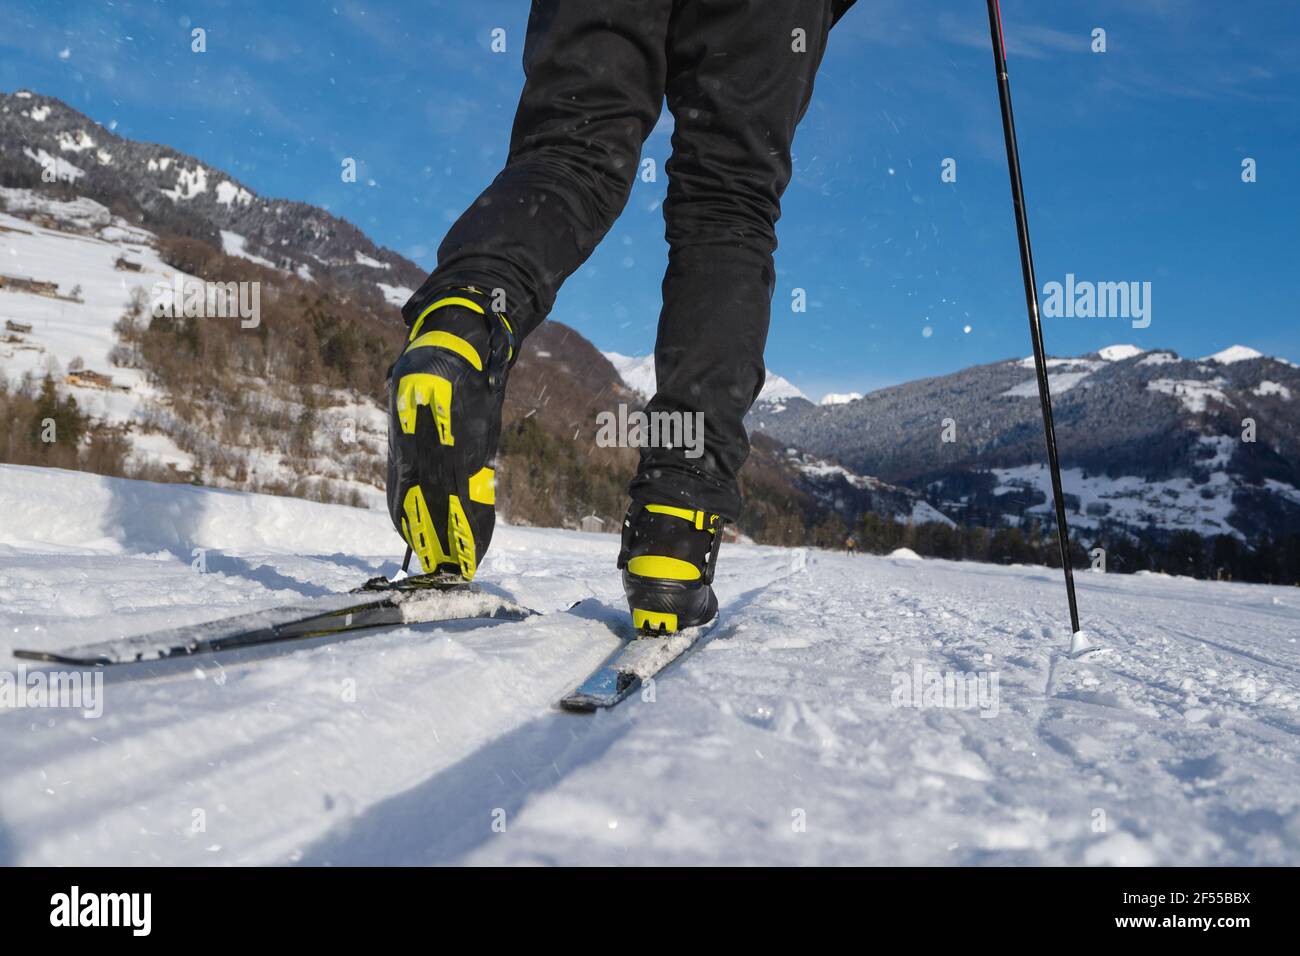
{"points": [[785, 739]]}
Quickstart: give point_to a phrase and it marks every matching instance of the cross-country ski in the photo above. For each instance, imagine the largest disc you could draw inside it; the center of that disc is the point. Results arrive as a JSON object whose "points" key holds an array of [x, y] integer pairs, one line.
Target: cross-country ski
{"points": [[638, 660], [377, 603]]}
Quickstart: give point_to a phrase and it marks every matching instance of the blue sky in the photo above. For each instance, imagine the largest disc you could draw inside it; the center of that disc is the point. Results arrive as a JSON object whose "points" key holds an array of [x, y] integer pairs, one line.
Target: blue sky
{"points": [[1132, 159]]}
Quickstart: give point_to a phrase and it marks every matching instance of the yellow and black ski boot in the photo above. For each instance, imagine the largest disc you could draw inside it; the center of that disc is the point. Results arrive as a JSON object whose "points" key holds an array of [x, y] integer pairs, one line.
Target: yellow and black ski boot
{"points": [[667, 559], [445, 394]]}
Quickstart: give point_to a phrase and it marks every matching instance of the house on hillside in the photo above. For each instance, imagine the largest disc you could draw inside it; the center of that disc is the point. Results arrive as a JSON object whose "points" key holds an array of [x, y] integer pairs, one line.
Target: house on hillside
{"points": [[34, 286], [87, 378]]}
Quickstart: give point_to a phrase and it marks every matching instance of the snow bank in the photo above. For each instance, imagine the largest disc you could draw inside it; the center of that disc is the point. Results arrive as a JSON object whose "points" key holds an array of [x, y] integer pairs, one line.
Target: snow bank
{"points": [[50, 509], [905, 554]]}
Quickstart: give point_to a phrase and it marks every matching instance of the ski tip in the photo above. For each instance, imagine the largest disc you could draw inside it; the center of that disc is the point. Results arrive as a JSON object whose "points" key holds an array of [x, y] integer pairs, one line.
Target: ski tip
{"points": [[49, 657], [579, 704]]}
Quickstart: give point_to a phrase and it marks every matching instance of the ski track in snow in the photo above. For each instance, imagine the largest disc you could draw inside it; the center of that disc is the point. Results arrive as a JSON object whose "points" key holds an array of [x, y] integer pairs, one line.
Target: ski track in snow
{"points": [[777, 741]]}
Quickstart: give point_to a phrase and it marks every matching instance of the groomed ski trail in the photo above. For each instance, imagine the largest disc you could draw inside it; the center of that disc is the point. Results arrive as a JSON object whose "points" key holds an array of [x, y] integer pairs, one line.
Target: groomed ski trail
{"points": [[778, 741]]}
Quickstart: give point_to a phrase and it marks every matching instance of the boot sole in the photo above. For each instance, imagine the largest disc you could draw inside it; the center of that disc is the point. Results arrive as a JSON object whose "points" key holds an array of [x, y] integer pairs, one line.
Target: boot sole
{"points": [[662, 606]]}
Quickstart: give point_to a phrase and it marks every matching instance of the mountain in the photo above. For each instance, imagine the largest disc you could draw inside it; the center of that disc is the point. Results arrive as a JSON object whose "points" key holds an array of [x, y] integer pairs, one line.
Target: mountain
{"points": [[1148, 440], [1151, 442], [174, 192]]}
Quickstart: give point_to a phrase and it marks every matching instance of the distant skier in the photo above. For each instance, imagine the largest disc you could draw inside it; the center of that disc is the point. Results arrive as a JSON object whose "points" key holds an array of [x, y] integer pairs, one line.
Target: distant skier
{"points": [[738, 76]]}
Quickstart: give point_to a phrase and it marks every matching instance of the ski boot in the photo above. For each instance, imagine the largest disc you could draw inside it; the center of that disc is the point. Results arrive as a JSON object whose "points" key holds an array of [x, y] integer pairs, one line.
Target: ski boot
{"points": [[446, 390], [667, 559]]}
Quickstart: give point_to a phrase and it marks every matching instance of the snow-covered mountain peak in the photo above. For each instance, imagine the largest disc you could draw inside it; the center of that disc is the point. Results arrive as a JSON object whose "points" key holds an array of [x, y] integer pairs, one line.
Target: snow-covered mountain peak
{"points": [[1234, 353], [636, 371], [779, 389], [1118, 353], [638, 374]]}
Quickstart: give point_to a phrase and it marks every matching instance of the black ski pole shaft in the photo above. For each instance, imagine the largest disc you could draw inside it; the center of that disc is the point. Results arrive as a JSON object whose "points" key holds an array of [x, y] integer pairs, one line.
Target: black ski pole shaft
{"points": [[1031, 299]]}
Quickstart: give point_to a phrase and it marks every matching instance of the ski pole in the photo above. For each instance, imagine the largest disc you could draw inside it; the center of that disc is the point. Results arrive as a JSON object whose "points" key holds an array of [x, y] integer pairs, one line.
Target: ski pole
{"points": [[1031, 299]]}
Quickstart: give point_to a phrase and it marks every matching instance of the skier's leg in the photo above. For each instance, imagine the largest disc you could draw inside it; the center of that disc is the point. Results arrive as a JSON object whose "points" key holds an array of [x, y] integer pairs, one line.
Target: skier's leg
{"points": [[740, 77], [740, 74], [593, 91], [595, 75]]}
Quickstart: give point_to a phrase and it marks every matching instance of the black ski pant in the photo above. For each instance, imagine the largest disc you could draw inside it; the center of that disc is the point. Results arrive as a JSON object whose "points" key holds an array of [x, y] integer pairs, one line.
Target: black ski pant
{"points": [[737, 76]]}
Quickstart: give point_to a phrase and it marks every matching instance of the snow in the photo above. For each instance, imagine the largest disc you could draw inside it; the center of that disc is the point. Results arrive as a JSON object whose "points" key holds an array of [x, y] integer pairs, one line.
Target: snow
{"points": [[825, 469], [1266, 388], [189, 182], [63, 170], [1160, 358], [638, 374], [83, 252], [80, 247], [1059, 382], [776, 389], [78, 143], [365, 260], [233, 244], [762, 747], [228, 193], [840, 398], [1234, 353], [1173, 504], [395, 294], [1088, 364], [923, 512], [1194, 394], [1118, 353], [636, 371]]}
